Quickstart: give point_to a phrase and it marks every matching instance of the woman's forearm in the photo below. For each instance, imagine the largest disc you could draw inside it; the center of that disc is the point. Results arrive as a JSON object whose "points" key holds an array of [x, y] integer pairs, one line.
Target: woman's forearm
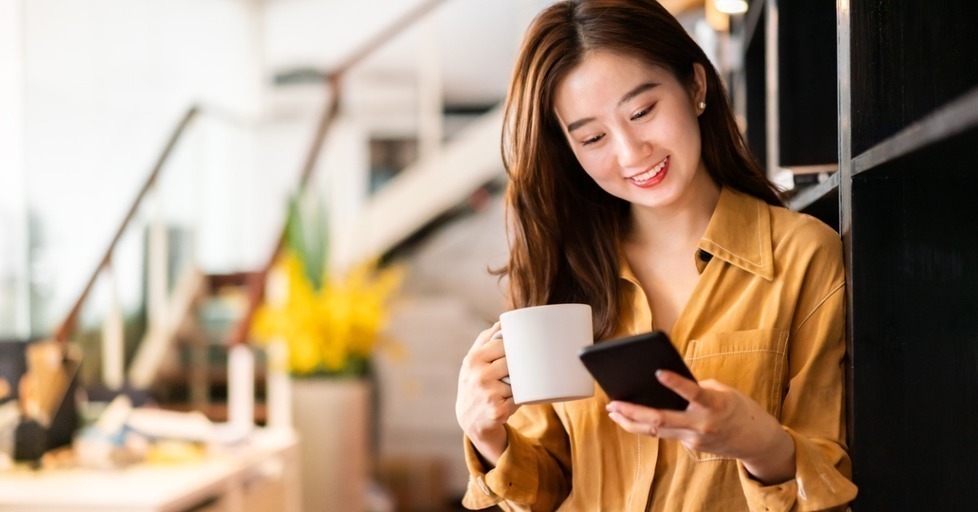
{"points": [[776, 462], [491, 445]]}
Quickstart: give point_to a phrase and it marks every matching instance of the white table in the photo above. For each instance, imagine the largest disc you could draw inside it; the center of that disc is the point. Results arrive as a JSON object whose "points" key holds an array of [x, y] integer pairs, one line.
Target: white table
{"points": [[259, 474]]}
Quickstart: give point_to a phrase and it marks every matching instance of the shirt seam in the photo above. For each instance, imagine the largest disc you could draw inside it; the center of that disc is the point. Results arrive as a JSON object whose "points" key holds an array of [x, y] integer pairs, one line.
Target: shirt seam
{"points": [[760, 246], [732, 352], [819, 305], [777, 387]]}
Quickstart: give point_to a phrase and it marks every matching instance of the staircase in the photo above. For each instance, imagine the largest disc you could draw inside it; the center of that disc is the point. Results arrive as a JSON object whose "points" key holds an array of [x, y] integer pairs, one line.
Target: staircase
{"points": [[177, 347], [193, 376]]}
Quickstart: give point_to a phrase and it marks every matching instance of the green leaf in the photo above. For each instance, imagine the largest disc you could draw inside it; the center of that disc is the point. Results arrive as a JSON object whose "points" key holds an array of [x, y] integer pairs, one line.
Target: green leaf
{"points": [[307, 236]]}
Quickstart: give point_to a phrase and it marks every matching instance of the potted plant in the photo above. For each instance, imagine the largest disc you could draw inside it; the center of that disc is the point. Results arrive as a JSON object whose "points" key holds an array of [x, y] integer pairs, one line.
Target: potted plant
{"points": [[330, 325]]}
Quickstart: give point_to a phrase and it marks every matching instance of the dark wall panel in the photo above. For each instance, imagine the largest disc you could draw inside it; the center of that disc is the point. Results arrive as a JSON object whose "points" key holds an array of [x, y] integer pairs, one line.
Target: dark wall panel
{"points": [[908, 58], [914, 383]]}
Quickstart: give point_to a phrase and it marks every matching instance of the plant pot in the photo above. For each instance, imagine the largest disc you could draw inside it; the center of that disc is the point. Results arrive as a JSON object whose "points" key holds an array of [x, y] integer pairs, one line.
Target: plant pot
{"points": [[332, 419]]}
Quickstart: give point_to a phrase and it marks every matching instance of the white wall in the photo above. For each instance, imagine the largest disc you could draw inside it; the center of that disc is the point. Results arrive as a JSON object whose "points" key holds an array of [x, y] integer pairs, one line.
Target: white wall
{"points": [[105, 82], [14, 302]]}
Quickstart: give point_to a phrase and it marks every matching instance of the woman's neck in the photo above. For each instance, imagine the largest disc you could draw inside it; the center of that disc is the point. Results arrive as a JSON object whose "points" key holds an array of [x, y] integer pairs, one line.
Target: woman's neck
{"points": [[678, 226]]}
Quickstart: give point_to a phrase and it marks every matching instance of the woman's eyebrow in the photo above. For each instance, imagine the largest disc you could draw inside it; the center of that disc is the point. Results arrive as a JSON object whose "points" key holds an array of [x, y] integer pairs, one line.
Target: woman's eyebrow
{"points": [[579, 123], [624, 99], [636, 91]]}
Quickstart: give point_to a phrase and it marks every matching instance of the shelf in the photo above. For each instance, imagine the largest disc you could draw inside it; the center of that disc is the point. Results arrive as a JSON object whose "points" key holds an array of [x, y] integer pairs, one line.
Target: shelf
{"points": [[899, 113], [807, 101], [790, 80], [820, 201], [813, 194], [907, 60], [952, 119]]}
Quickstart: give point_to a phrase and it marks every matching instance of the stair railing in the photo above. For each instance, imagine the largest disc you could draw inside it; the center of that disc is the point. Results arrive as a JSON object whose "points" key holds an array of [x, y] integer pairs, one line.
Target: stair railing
{"points": [[68, 324], [256, 284], [173, 281]]}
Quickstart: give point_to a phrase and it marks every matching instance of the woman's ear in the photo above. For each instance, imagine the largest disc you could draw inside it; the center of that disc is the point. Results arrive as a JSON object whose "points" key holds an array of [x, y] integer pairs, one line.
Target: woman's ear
{"points": [[698, 89]]}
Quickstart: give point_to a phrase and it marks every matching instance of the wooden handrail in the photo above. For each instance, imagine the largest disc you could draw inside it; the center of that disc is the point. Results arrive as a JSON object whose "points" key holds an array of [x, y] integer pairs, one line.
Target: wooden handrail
{"points": [[256, 282], [68, 324]]}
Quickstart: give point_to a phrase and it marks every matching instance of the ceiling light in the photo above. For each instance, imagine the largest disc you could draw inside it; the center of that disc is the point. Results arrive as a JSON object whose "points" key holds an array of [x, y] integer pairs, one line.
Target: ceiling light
{"points": [[732, 6]]}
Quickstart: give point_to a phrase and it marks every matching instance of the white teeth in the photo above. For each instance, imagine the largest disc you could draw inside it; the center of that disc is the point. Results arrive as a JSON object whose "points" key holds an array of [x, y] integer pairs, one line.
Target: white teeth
{"points": [[651, 173]]}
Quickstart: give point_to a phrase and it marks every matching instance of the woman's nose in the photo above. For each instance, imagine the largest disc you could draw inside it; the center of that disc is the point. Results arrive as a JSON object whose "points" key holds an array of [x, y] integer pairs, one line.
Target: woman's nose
{"points": [[633, 151]]}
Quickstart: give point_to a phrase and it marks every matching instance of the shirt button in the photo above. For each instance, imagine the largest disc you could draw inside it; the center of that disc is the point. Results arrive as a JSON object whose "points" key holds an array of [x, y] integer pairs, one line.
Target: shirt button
{"points": [[483, 486]]}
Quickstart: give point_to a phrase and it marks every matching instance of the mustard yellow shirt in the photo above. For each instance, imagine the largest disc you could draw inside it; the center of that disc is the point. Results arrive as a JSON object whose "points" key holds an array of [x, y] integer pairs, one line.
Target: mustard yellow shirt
{"points": [[766, 317]]}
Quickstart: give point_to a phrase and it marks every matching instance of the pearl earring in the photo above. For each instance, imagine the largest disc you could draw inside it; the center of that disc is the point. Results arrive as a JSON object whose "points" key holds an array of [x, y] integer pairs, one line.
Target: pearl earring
{"points": [[702, 105]]}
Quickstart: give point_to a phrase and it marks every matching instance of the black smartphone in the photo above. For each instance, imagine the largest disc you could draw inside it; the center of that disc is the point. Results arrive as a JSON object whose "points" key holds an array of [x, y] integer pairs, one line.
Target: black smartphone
{"points": [[625, 368]]}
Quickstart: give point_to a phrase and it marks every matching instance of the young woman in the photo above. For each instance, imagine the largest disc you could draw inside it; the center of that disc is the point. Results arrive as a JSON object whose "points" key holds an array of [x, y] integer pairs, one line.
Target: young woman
{"points": [[632, 191]]}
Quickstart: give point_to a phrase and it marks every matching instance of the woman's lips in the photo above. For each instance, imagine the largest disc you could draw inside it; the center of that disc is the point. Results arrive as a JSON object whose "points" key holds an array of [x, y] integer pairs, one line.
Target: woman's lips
{"points": [[653, 176]]}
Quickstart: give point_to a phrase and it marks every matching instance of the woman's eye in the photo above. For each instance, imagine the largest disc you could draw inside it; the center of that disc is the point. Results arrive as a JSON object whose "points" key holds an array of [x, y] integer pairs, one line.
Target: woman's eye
{"points": [[592, 140], [642, 113]]}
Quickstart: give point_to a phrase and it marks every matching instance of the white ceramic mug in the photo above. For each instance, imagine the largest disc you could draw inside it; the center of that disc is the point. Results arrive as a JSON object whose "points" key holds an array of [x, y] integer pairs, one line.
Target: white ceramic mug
{"points": [[542, 345]]}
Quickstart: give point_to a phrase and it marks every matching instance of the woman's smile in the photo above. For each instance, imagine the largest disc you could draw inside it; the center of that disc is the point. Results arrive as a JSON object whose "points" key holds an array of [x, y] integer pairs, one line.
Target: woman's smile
{"points": [[653, 176]]}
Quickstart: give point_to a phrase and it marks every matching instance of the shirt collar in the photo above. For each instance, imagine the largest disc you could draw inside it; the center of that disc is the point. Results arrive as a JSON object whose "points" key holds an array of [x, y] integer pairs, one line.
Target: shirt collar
{"points": [[739, 233]]}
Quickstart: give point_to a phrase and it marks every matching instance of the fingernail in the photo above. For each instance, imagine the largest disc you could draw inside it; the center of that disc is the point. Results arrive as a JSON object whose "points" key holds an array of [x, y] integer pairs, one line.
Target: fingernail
{"points": [[661, 375]]}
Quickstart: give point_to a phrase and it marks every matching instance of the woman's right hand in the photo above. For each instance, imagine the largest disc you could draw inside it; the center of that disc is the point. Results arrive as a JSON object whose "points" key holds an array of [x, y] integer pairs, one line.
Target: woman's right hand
{"points": [[484, 401]]}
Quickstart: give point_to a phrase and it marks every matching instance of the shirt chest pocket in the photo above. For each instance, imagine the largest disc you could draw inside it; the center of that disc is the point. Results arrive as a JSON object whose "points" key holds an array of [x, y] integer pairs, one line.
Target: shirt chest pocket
{"points": [[754, 362]]}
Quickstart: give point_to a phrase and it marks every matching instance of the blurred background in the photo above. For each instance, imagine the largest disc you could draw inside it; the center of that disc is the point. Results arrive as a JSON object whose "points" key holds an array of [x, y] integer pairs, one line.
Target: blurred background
{"points": [[149, 154]]}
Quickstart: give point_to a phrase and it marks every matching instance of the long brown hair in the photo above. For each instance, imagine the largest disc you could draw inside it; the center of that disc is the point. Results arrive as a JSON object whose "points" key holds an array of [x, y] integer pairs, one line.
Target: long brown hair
{"points": [[564, 229]]}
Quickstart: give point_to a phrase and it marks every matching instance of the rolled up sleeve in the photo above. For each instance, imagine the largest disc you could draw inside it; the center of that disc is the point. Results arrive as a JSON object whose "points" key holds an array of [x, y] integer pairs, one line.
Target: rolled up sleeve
{"points": [[532, 474], [818, 482]]}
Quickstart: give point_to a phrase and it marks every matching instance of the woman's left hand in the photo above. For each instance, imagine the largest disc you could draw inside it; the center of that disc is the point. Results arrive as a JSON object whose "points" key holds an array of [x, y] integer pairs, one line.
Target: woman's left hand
{"points": [[719, 420]]}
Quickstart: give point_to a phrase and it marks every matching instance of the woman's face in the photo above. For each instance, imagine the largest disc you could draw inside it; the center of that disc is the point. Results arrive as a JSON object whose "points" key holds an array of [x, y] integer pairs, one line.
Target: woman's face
{"points": [[633, 127]]}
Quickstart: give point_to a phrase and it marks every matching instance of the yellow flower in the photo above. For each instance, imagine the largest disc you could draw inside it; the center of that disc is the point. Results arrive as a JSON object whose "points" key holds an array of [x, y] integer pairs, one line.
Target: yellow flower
{"points": [[332, 330]]}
